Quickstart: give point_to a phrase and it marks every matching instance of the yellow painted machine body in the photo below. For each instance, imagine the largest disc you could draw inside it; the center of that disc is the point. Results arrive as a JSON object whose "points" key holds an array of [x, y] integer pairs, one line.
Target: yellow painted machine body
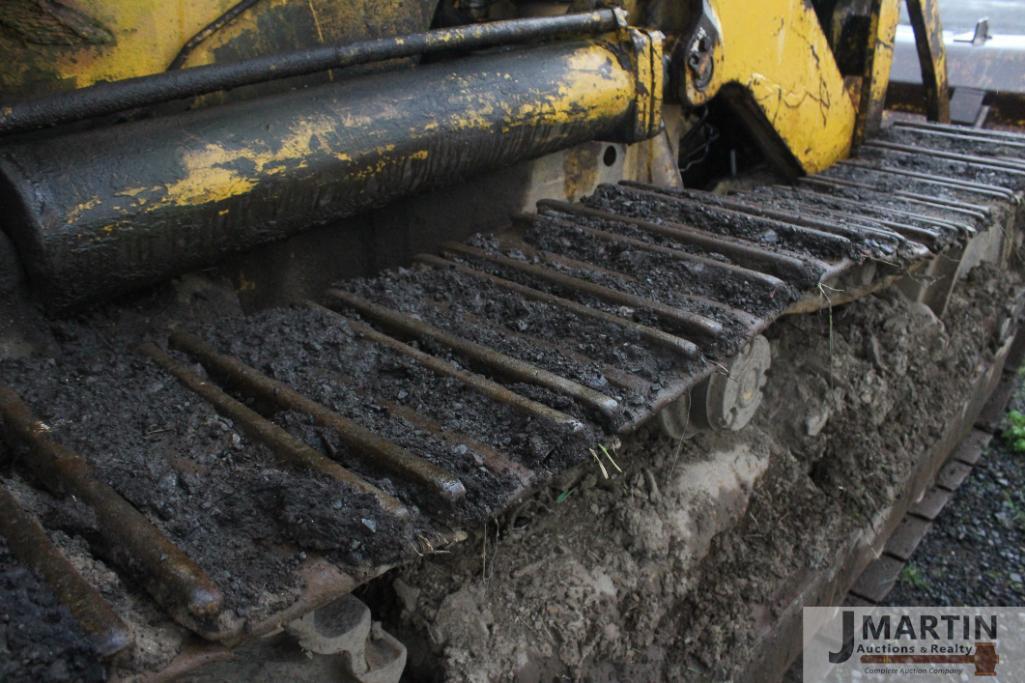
{"points": [[162, 194], [53, 45], [776, 56], [774, 52]]}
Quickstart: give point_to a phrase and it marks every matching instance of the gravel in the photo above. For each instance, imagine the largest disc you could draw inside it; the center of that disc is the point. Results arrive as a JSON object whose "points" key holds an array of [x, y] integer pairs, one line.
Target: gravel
{"points": [[975, 552]]}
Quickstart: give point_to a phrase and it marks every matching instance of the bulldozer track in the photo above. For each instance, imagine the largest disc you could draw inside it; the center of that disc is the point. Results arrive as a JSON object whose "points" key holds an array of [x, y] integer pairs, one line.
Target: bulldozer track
{"points": [[432, 398]]}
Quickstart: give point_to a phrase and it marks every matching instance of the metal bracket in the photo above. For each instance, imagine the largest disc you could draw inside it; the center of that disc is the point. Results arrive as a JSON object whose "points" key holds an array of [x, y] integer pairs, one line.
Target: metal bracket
{"points": [[932, 57]]}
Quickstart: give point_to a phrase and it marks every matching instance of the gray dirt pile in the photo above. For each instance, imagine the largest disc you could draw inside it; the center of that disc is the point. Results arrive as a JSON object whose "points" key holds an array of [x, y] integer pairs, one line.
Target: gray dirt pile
{"points": [[660, 573]]}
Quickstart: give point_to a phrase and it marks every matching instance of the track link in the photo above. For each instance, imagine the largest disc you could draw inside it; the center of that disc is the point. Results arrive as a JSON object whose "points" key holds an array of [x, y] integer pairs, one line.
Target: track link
{"points": [[341, 437]]}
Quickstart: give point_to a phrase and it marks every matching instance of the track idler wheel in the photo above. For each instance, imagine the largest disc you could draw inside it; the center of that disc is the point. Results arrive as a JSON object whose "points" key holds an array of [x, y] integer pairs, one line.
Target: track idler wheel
{"points": [[727, 401]]}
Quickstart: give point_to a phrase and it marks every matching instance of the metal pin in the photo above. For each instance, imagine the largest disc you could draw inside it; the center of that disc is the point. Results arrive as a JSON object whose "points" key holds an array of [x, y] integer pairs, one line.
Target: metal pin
{"points": [[968, 186], [968, 136], [730, 269], [886, 230], [987, 132], [616, 376], [984, 163], [745, 253], [873, 214], [376, 451], [978, 212], [707, 200], [819, 224], [910, 231], [495, 460], [745, 318], [793, 219]]}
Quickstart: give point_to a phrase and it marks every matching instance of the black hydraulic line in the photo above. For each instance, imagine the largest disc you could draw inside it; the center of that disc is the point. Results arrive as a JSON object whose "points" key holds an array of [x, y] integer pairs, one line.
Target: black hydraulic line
{"points": [[213, 27], [109, 98]]}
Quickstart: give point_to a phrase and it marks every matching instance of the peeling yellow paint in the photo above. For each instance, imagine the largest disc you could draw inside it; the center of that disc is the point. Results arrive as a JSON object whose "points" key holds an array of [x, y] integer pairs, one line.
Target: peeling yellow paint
{"points": [[82, 208], [212, 175], [148, 34], [594, 85], [206, 179]]}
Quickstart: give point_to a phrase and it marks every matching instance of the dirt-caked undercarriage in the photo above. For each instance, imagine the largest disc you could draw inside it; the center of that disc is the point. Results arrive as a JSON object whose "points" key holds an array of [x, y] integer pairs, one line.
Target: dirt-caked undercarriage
{"points": [[478, 340]]}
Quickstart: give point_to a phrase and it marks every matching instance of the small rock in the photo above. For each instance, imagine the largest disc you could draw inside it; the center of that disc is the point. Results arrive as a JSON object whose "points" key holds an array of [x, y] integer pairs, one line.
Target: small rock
{"points": [[407, 595], [816, 421]]}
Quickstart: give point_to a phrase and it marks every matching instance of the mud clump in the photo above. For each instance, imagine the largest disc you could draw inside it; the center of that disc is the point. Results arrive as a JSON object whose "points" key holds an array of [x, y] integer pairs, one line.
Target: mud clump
{"points": [[40, 642], [667, 571]]}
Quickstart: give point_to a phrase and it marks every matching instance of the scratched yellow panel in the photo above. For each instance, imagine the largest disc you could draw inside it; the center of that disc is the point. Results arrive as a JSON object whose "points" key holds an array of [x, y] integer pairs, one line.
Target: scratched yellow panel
{"points": [[140, 37], [777, 50]]}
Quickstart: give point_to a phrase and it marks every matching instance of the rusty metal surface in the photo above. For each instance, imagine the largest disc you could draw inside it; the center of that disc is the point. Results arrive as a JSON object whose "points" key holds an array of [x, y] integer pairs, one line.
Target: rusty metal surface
{"points": [[680, 279], [493, 361], [172, 578], [27, 538], [655, 335], [382, 453], [290, 449], [477, 382]]}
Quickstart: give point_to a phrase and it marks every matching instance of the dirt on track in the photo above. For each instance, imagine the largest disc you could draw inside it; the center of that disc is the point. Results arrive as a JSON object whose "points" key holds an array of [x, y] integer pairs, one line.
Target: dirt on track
{"points": [[174, 458], [663, 572], [40, 642], [320, 355]]}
